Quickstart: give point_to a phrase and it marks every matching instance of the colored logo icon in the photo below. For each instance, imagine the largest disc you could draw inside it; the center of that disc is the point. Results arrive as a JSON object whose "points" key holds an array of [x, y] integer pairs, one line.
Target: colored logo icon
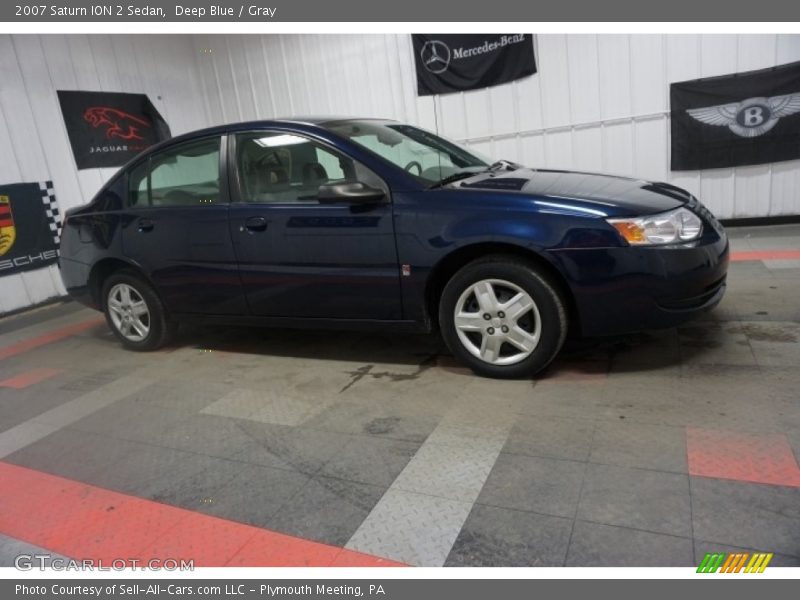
{"points": [[8, 231], [738, 562]]}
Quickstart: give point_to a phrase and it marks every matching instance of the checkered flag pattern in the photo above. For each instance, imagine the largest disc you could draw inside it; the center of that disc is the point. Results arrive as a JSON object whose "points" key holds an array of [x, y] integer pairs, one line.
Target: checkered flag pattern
{"points": [[51, 209]]}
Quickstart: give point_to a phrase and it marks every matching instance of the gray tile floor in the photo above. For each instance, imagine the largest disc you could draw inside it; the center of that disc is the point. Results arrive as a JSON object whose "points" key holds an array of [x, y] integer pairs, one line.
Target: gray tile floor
{"points": [[384, 444]]}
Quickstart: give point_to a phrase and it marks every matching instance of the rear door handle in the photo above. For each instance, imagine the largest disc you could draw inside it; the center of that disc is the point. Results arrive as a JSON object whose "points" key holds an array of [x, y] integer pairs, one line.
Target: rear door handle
{"points": [[256, 223], [146, 225]]}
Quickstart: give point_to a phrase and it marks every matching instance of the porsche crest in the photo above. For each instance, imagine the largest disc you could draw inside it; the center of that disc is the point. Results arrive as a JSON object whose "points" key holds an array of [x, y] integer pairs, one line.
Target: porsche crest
{"points": [[30, 227], [8, 231]]}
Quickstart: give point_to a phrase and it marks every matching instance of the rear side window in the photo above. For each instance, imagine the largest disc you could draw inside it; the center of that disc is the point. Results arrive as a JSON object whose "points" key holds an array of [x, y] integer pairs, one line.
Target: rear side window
{"points": [[183, 175]]}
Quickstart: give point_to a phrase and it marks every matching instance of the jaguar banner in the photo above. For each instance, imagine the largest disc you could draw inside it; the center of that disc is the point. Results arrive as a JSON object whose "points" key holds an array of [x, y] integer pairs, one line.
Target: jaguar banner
{"points": [[30, 226], [742, 119], [106, 129], [448, 63]]}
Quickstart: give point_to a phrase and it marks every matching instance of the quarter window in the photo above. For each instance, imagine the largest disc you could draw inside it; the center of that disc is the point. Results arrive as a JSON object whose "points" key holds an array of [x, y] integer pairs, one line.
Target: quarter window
{"points": [[184, 175], [278, 167]]}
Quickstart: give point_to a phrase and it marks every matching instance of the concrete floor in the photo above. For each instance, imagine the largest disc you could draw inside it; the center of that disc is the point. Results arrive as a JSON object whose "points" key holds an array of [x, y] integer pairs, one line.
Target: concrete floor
{"points": [[651, 449]]}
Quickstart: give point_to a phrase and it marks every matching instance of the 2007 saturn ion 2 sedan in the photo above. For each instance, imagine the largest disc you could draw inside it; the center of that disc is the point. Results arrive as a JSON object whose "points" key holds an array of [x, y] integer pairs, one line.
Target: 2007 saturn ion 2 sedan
{"points": [[358, 223]]}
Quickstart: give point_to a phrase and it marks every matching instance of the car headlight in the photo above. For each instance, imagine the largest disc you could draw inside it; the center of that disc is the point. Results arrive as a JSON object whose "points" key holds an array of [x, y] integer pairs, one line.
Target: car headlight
{"points": [[673, 227]]}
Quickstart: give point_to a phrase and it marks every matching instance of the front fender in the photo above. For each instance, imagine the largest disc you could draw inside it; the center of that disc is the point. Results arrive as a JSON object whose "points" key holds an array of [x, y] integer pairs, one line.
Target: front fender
{"points": [[433, 225]]}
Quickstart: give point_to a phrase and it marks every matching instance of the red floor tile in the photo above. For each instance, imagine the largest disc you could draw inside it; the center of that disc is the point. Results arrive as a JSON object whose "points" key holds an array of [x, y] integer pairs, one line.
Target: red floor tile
{"points": [[87, 522], [48, 338], [207, 540], [756, 458], [765, 255], [29, 378], [348, 558], [577, 371], [277, 550]]}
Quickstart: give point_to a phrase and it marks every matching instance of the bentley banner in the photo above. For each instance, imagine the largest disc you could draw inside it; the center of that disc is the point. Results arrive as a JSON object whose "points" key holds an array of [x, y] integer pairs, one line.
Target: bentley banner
{"points": [[29, 227], [743, 119], [455, 62], [108, 129]]}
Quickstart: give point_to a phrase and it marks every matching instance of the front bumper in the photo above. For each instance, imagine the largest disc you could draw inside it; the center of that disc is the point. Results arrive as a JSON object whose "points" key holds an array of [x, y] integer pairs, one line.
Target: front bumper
{"points": [[628, 289]]}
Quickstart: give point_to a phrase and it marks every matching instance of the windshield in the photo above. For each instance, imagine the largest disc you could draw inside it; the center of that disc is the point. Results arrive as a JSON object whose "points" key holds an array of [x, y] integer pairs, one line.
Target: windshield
{"points": [[425, 155]]}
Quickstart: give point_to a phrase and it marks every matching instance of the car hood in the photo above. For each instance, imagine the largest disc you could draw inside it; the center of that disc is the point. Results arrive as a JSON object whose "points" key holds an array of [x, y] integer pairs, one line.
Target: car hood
{"points": [[608, 194]]}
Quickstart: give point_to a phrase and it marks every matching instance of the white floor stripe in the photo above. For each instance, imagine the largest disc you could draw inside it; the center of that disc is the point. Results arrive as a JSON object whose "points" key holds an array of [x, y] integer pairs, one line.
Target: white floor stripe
{"points": [[420, 516], [42, 425]]}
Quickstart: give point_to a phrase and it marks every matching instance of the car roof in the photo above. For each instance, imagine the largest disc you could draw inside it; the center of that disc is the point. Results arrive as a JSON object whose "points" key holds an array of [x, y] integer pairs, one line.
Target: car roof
{"points": [[313, 121], [305, 121]]}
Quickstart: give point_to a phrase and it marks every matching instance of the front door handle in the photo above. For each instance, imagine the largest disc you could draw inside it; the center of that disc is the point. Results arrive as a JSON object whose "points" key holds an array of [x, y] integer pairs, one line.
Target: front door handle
{"points": [[256, 223], [146, 225]]}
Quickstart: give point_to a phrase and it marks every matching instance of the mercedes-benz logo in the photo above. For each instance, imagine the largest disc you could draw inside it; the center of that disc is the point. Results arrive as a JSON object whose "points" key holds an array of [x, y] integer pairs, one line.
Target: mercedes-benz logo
{"points": [[435, 56]]}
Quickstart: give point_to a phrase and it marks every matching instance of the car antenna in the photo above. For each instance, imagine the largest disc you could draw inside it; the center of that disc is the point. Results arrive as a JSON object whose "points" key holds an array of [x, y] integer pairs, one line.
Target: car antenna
{"points": [[436, 124]]}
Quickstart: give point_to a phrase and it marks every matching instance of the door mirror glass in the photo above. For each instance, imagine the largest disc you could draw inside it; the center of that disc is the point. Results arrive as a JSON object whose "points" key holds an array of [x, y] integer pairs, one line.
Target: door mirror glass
{"points": [[350, 193]]}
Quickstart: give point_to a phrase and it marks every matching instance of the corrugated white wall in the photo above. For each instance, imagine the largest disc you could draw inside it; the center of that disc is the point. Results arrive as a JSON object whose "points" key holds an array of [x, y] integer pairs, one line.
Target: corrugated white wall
{"points": [[33, 140], [599, 102]]}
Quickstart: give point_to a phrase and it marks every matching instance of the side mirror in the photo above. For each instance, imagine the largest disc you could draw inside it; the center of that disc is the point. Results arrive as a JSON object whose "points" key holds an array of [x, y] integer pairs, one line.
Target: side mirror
{"points": [[349, 193]]}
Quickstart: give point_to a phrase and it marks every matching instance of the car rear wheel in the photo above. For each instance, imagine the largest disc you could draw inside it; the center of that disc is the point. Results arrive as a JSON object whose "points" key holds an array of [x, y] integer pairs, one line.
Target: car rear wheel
{"points": [[502, 317], [134, 313]]}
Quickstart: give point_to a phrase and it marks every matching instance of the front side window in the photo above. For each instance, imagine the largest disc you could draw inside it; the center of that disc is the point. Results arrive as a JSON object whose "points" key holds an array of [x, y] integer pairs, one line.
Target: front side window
{"points": [[280, 167], [183, 175]]}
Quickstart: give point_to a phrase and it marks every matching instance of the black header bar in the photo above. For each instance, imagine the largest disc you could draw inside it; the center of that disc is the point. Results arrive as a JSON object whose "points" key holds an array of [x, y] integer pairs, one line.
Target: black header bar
{"points": [[711, 11]]}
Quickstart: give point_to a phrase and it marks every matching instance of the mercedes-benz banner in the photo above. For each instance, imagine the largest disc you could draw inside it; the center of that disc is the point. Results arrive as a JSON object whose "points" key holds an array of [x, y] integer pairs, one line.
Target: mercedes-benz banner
{"points": [[449, 63]]}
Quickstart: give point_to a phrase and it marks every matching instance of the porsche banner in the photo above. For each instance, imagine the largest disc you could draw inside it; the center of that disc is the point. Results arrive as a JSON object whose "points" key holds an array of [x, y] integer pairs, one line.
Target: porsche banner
{"points": [[448, 63], [30, 226], [107, 129], [742, 119]]}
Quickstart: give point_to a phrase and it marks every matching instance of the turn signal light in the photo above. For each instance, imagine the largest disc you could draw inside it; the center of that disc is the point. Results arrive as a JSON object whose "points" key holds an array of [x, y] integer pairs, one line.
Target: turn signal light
{"points": [[632, 233]]}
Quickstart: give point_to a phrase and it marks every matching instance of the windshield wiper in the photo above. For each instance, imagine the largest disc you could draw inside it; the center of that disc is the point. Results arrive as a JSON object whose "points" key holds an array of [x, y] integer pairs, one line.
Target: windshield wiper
{"points": [[453, 177], [504, 165], [500, 165]]}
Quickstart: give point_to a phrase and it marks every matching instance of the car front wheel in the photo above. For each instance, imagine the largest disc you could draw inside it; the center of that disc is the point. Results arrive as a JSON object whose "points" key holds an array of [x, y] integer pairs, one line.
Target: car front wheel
{"points": [[134, 313], [502, 317]]}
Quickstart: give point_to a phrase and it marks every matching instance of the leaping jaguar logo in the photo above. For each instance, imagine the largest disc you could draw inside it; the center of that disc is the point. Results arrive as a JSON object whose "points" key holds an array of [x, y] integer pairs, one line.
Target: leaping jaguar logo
{"points": [[751, 117], [118, 124], [8, 231]]}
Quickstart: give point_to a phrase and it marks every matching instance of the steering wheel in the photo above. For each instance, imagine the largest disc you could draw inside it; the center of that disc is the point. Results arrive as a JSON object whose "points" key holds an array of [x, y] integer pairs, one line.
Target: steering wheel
{"points": [[414, 163], [262, 161]]}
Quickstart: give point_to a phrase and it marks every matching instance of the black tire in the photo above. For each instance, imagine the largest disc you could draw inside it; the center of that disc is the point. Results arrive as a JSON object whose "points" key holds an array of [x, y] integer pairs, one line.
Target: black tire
{"points": [[553, 321], [161, 327]]}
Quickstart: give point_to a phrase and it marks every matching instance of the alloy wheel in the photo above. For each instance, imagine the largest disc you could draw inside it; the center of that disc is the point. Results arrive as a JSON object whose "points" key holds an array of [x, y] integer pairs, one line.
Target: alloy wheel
{"points": [[129, 312], [497, 321]]}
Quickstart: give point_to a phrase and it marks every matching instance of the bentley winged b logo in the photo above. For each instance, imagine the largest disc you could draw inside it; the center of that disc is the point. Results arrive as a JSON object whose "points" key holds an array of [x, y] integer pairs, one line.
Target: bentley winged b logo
{"points": [[751, 117], [435, 56], [118, 124], [8, 231]]}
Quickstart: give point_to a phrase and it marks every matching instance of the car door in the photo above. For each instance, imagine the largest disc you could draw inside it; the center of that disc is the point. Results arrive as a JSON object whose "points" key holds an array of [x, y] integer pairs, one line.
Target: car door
{"points": [[176, 228], [299, 257]]}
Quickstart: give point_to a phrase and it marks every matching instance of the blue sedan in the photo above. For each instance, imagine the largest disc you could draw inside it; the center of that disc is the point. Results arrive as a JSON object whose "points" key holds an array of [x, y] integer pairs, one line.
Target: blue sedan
{"points": [[368, 223]]}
